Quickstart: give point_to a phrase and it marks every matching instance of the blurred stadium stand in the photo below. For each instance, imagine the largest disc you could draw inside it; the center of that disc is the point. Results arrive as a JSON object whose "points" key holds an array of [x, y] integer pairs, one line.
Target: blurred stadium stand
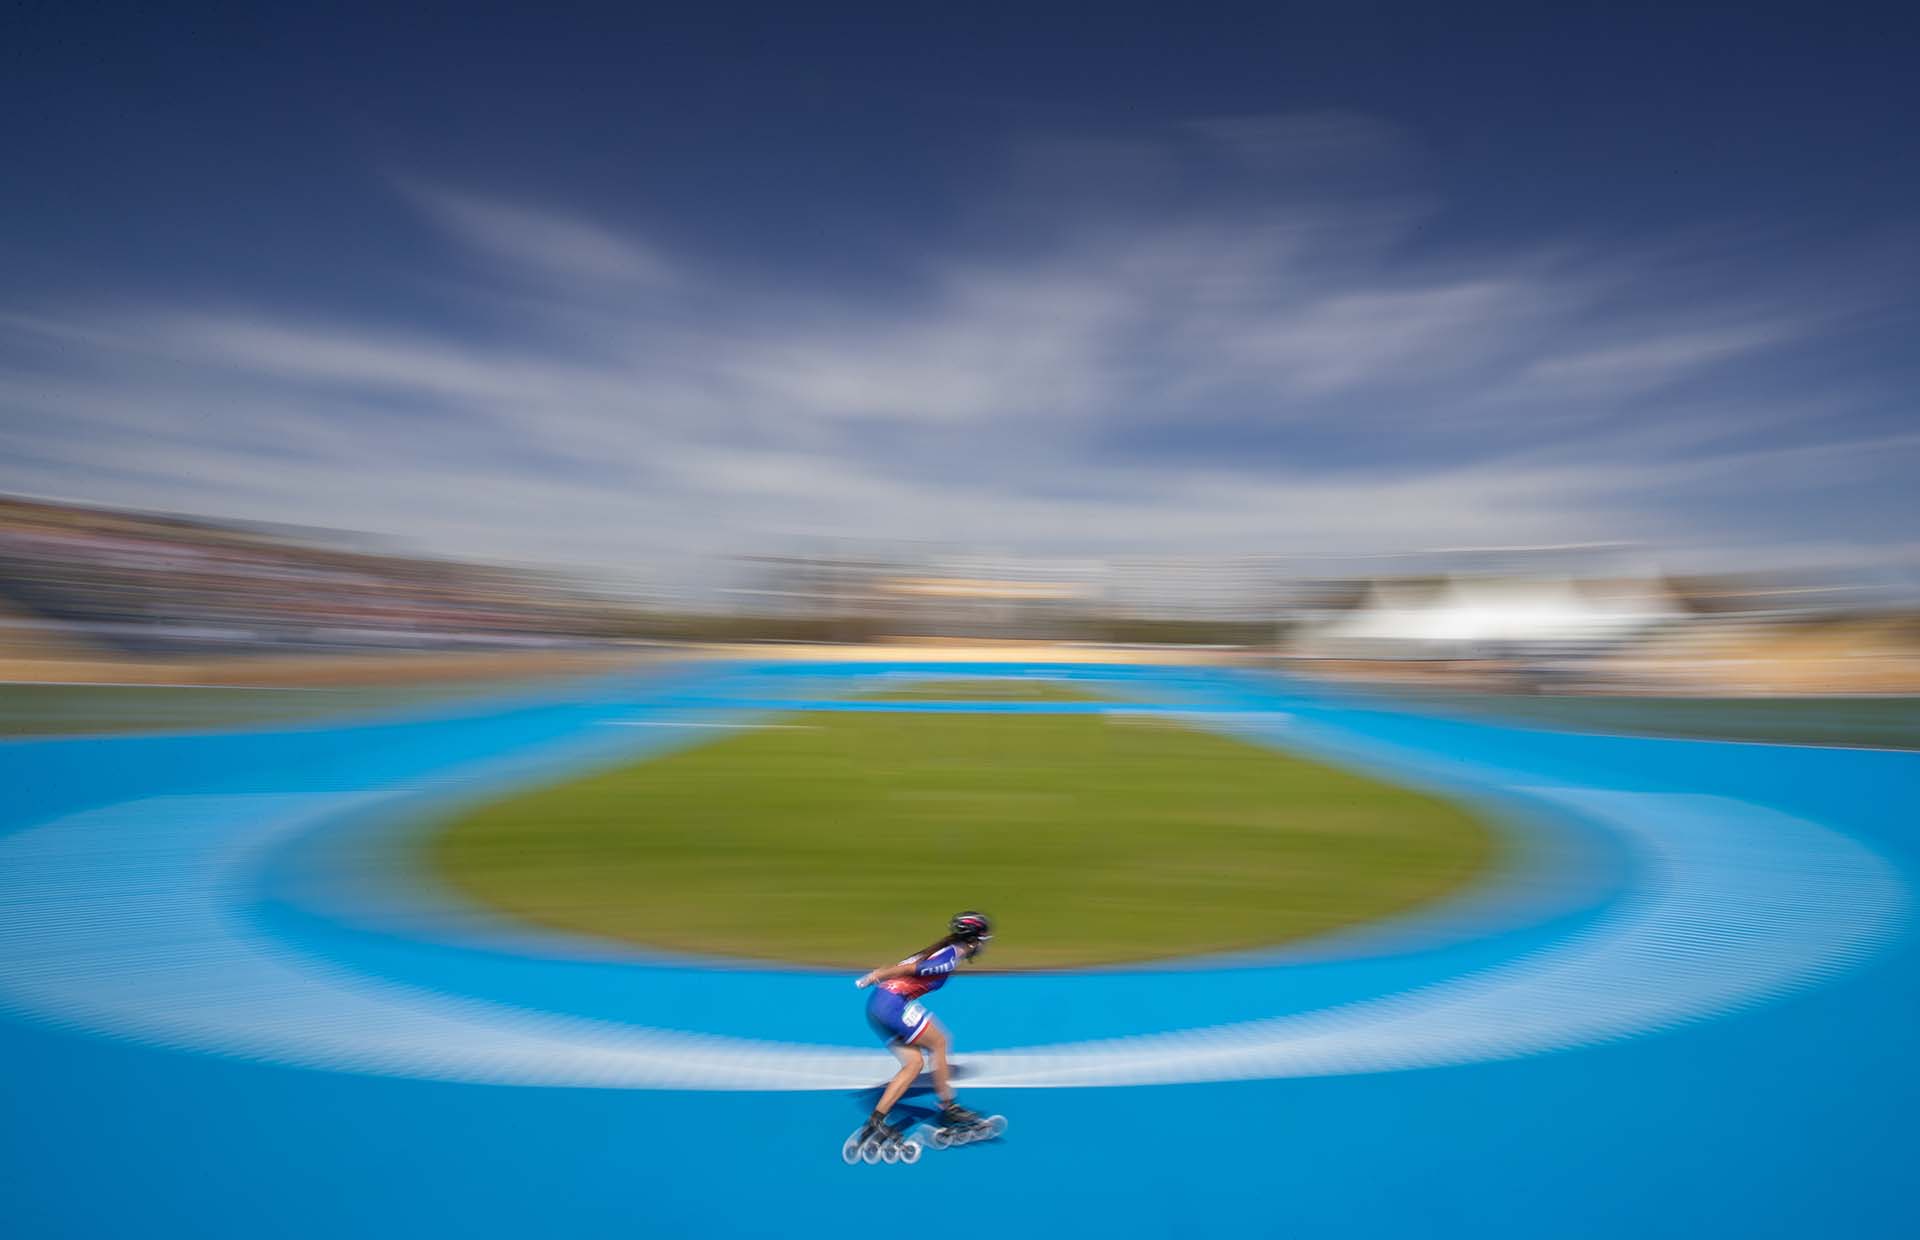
{"points": [[76, 579], [148, 584]]}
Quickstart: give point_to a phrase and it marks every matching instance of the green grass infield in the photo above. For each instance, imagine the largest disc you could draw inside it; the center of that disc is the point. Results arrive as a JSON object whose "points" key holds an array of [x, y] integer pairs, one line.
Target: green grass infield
{"points": [[846, 839]]}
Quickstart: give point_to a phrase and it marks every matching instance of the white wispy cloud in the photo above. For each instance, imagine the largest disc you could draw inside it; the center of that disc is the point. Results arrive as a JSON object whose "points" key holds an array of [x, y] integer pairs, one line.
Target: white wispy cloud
{"points": [[1376, 338], [1255, 373], [549, 242], [1652, 361]]}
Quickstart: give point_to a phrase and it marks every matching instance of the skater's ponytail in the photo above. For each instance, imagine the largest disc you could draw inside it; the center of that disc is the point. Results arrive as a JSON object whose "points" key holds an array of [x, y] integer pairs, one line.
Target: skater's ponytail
{"points": [[945, 941]]}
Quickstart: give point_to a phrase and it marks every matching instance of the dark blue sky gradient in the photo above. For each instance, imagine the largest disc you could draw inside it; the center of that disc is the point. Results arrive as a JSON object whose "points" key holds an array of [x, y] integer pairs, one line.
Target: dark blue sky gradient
{"points": [[247, 134]]}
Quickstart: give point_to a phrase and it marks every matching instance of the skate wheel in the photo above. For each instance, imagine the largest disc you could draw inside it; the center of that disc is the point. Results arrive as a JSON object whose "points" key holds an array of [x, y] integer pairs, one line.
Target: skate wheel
{"points": [[890, 1152], [910, 1152], [996, 1125], [870, 1152], [941, 1138], [850, 1150]]}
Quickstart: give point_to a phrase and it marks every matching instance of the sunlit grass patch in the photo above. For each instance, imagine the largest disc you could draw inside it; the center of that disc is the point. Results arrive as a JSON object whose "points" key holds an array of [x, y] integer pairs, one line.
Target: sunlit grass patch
{"points": [[849, 841]]}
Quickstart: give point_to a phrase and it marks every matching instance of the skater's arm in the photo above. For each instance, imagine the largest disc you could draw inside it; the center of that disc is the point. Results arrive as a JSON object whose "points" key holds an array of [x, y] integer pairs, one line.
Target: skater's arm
{"points": [[943, 961], [903, 969]]}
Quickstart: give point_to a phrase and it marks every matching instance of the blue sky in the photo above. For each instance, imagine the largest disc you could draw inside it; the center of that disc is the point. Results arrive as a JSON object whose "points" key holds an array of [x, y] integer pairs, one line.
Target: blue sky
{"points": [[602, 287]]}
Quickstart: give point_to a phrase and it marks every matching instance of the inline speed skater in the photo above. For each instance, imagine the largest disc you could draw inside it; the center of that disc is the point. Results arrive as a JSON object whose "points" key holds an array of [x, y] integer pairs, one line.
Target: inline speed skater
{"points": [[910, 1031]]}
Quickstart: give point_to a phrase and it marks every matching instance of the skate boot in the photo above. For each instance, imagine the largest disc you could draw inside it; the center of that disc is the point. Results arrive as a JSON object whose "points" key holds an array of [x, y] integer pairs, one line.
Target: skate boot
{"points": [[958, 1126], [877, 1141]]}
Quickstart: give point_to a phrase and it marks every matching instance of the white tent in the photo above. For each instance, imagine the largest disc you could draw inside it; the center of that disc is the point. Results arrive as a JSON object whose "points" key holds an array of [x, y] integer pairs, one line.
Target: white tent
{"points": [[1464, 616]]}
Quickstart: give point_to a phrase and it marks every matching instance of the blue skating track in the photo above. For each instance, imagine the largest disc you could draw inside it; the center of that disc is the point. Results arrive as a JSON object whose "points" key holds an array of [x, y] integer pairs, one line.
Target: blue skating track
{"points": [[230, 1007]]}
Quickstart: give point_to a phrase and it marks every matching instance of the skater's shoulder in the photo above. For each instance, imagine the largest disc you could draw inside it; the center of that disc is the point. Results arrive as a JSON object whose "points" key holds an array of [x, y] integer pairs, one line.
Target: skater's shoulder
{"points": [[941, 960]]}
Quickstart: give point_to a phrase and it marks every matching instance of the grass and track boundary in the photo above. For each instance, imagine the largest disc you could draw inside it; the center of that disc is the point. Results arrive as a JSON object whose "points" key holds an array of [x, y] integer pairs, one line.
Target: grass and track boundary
{"points": [[1095, 838]]}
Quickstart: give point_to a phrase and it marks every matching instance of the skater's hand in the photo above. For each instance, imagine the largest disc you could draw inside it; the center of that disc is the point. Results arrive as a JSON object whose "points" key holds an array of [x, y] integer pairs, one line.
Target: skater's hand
{"points": [[864, 982]]}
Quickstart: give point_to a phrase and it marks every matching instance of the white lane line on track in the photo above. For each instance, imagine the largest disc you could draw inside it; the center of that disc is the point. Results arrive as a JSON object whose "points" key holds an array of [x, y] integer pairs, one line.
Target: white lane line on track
{"points": [[120, 921]]}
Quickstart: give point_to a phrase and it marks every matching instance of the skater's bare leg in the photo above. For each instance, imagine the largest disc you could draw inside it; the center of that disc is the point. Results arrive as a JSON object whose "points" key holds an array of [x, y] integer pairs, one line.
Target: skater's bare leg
{"points": [[910, 1064], [936, 1043]]}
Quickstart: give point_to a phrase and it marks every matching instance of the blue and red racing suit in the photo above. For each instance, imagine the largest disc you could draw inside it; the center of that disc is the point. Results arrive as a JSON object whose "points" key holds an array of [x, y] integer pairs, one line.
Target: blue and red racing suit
{"points": [[894, 1010]]}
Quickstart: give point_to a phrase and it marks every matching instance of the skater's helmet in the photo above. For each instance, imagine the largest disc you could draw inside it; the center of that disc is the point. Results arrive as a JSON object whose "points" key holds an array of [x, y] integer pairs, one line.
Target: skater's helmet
{"points": [[971, 927]]}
